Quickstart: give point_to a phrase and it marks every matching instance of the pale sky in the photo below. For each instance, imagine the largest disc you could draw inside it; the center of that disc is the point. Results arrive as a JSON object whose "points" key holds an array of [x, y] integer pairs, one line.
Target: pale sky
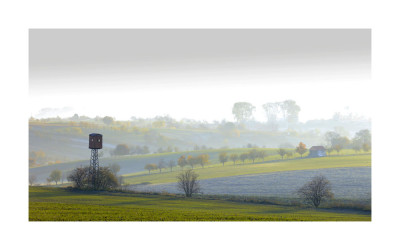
{"points": [[198, 74]]}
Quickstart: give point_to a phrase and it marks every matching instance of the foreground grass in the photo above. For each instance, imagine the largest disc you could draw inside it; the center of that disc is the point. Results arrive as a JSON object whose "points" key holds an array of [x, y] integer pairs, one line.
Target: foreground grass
{"points": [[215, 171], [58, 204]]}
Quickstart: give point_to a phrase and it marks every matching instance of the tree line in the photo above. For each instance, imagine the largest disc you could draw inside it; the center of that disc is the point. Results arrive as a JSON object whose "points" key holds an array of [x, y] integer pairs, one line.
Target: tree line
{"points": [[223, 157], [336, 142], [182, 161], [287, 111]]}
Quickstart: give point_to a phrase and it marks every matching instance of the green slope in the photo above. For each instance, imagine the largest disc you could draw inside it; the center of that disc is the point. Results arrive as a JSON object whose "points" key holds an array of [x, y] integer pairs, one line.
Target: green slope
{"points": [[56, 204]]}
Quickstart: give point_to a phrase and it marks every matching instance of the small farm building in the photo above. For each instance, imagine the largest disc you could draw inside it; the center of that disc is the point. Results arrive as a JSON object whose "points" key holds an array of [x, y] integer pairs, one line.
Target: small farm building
{"points": [[317, 151]]}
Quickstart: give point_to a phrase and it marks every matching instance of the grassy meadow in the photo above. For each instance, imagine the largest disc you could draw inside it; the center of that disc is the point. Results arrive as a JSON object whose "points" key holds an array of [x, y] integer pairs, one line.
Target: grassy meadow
{"points": [[63, 204], [59, 204]]}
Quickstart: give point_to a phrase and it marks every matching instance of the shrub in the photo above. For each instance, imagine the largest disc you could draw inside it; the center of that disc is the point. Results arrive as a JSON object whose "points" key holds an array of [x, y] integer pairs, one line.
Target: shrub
{"points": [[121, 149], [55, 176], [188, 182], [316, 191], [87, 179]]}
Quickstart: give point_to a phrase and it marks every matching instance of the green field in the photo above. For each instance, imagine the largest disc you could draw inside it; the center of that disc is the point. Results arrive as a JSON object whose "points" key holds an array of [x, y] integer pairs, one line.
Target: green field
{"points": [[58, 204], [217, 170]]}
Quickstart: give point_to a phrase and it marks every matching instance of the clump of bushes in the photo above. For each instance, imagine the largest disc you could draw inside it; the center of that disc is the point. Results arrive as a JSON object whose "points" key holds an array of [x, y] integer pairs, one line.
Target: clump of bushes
{"points": [[86, 178]]}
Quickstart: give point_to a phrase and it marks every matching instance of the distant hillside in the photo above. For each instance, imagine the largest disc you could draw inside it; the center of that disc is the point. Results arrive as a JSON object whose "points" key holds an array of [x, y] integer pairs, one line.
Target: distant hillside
{"points": [[69, 142]]}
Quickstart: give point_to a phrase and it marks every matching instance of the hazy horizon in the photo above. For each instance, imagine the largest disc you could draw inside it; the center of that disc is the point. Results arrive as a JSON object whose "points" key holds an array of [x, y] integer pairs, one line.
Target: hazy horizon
{"points": [[198, 74]]}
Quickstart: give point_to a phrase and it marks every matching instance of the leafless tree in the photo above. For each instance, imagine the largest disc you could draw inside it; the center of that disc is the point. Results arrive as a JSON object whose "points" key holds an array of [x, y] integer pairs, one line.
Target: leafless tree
{"points": [[243, 157], [32, 179], [223, 157], [171, 164], [281, 152], [55, 176], [161, 164], [253, 154], [234, 158], [79, 177], [188, 182], [315, 191]]}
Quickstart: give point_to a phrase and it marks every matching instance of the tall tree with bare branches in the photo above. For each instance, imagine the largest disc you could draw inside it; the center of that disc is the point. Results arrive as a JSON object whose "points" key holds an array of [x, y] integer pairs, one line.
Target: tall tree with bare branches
{"points": [[188, 182], [244, 157], [171, 164], [281, 152], [253, 154], [316, 191], [223, 157], [234, 158]]}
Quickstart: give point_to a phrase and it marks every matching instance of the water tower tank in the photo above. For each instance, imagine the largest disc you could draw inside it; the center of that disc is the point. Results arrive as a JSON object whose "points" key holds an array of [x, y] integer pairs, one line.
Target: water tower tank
{"points": [[95, 141]]}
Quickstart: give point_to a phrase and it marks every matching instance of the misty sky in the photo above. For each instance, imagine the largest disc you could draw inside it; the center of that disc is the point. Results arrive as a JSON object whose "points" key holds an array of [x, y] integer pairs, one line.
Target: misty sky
{"points": [[197, 74]]}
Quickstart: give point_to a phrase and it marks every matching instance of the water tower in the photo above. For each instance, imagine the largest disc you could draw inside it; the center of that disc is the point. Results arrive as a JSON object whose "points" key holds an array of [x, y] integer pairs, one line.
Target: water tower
{"points": [[95, 143]]}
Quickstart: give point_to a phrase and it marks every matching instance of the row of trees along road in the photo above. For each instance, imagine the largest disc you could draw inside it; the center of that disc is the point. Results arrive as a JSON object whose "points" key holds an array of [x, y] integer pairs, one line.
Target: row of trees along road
{"points": [[183, 161], [255, 154], [223, 157], [250, 155]]}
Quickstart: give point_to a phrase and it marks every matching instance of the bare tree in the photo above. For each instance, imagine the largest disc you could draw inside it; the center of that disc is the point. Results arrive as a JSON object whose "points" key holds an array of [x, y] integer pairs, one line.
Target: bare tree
{"points": [[315, 191], [55, 176], [253, 154], [244, 157], [32, 179], [262, 154], [151, 166], [234, 158], [161, 164], [188, 183], [223, 157], [79, 177], [281, 152], [171, 164]]}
